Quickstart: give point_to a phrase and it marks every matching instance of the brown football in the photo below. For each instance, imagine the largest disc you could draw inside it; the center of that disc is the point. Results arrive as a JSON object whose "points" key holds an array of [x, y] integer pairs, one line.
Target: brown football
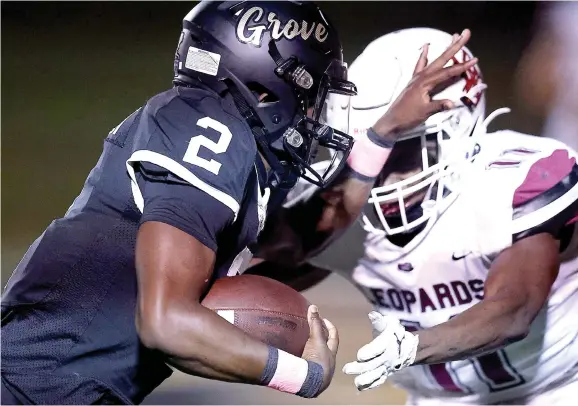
{"points": [[264, 308]]}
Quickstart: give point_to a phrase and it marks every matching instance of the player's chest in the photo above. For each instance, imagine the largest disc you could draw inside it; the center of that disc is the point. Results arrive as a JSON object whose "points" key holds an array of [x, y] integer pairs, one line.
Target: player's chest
{"points": [[440, 277]]}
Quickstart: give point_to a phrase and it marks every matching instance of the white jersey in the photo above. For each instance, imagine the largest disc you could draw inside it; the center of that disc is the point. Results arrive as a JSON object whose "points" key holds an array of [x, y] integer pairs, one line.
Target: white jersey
{"points": [[442, 273]]}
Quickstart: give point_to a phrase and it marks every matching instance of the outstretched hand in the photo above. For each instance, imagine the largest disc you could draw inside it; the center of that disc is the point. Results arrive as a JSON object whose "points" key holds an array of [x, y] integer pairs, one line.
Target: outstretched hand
{"points": [[392, 349], [415, 105]]}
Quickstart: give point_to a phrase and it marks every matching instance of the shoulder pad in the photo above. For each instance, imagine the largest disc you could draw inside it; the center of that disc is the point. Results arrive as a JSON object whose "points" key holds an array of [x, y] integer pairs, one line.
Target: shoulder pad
{"points": [[197, 137], [521, 186]]}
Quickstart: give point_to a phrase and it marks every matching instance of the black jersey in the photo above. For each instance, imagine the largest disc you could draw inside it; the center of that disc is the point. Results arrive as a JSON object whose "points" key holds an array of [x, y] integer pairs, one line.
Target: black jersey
{"points": [[186, 158]]}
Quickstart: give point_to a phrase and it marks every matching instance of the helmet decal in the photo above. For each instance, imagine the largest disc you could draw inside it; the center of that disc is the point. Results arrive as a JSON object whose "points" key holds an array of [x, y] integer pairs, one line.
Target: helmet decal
{"points": [[473, 77], [252, 24], [279, 62]]}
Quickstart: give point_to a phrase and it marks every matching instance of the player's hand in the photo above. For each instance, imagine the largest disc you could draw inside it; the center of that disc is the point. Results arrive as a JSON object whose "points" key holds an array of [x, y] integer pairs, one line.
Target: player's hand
{"points": [[415, 105], [392, 349], [322, 344]]}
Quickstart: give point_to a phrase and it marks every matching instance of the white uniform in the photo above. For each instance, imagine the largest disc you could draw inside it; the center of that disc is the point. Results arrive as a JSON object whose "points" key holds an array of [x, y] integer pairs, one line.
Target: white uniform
{"points": [[442, 273], [472, 211]]}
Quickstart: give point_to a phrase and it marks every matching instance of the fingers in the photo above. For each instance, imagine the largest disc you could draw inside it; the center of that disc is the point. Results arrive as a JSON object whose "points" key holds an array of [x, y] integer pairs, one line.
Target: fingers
{"points": [[356, 367], [453, 49], [333, 337], [375, 348], [379, 382], [422, 61], [364, 381], [315, 323], [382, 341], [378, 321], [437, 106], [448, 73]]}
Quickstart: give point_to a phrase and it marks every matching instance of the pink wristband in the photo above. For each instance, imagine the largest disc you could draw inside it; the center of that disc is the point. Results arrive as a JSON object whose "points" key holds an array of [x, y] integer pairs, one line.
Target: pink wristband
{"points": [[287, 373], [366, 157], [290, 374]]}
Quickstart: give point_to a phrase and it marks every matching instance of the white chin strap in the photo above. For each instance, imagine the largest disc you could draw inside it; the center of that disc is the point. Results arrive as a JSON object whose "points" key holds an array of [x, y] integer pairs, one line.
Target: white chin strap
{"points": [[493, 115]]}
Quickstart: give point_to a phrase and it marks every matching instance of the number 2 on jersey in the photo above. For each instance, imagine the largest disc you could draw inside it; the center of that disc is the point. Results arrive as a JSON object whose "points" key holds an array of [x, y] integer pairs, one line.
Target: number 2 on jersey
{"points": [[493, 369], [198, 141]]}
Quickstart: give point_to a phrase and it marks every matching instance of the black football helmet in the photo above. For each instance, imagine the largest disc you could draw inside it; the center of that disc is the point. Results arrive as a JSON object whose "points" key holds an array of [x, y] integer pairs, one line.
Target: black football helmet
{"points": [[279, 60]]}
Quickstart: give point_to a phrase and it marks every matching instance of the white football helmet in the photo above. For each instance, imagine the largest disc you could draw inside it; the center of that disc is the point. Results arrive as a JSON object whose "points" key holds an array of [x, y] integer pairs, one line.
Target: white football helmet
{"points": [[381, 72]]}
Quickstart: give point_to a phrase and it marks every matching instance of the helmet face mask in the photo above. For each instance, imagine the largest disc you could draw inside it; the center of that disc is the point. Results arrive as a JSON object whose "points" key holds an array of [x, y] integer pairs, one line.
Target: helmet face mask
{"points": [[446, 143], [320, 136], [416, 197], [302, 140], [285, 50]]}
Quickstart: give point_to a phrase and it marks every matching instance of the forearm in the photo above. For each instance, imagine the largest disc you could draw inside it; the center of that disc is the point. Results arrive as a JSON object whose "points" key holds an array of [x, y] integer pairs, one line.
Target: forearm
{"points": [[338, 206], [484, 327], [343, 201], [295, 234], [171, 320], [200, 342], [347, 195], [201, 370]]}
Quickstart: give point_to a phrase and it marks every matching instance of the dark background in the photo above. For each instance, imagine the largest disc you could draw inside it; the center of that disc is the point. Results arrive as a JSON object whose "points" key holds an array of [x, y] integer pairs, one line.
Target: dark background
{"points": [[73, 71]]}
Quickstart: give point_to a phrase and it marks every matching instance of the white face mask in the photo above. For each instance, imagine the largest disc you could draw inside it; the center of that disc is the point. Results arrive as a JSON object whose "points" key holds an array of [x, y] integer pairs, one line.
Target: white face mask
{"points": [[436, 185]]}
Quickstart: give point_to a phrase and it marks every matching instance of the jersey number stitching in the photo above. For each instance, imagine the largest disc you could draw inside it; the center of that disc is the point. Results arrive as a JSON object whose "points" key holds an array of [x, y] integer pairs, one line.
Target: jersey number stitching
{"points": [[198, 141]]}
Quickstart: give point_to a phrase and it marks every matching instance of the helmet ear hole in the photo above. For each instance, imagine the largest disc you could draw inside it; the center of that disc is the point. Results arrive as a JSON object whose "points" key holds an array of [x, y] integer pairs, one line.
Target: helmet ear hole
{"points": [[262, 93]]}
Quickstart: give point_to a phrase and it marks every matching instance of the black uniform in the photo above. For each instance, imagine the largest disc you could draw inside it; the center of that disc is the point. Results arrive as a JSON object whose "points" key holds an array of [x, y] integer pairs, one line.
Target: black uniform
{"points": [[187, 159]]}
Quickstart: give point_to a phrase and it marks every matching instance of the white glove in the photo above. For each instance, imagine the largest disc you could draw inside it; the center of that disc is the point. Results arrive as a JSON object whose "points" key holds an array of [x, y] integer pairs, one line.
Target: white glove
{"points": [[392, 349]]}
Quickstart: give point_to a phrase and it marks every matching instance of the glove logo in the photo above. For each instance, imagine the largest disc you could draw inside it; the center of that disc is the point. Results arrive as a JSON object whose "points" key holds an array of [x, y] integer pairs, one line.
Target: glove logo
{"points": [[460, 255]]}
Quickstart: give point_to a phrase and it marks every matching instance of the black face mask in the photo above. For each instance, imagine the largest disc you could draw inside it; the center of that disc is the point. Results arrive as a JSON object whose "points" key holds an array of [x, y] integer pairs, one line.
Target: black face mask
{"points": [[300, 142]]}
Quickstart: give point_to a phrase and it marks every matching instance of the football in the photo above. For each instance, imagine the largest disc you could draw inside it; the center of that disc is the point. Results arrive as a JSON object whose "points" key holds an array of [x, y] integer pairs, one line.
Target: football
{"points": [[264, 308]]}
